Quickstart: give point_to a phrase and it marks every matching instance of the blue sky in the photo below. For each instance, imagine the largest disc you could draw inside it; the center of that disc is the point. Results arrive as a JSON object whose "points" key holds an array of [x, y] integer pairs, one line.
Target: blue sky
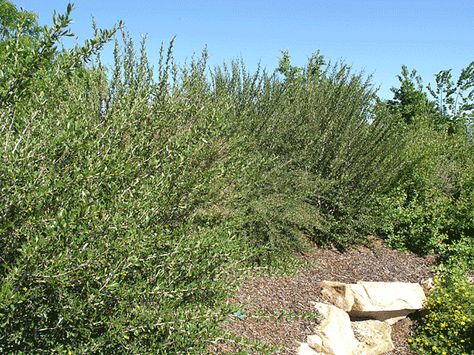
{"points": [[376, 36]]}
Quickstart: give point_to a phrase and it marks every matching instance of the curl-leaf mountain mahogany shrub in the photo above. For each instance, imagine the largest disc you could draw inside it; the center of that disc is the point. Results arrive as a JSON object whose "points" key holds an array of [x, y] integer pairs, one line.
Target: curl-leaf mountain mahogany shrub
{"points": [[129, 205]]}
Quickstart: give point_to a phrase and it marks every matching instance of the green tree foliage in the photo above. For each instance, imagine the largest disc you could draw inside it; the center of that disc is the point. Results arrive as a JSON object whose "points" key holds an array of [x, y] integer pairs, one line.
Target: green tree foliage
{"points": [[432, 205], [410, 100], [12, 19], [31, 51], [431, 209], [455, 100], [334, 152]]}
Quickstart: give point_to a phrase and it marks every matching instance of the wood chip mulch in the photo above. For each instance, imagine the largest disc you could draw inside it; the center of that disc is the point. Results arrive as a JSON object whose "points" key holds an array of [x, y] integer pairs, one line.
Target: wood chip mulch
{"points": [[276, 308]]}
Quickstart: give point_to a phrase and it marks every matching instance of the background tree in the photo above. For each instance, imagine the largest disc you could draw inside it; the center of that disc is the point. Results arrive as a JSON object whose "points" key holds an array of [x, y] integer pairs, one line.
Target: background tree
{"points": [[12, 18], [29, 50], [409, 99], [455, 100]]}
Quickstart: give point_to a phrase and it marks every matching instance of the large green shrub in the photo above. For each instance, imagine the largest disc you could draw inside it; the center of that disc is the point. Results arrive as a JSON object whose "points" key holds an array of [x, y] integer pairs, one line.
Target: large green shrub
{"points": [[100, 185], [331, 152], [432, 203], [129, 205], [431, 207]]}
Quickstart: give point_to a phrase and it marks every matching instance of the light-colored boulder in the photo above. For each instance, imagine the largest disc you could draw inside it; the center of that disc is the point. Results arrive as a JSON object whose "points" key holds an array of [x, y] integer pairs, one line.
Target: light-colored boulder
{"points": [[305, 349], [427, 285], [338, 294], [334, 335], [386, 301], [374, 336], [314, 341]]}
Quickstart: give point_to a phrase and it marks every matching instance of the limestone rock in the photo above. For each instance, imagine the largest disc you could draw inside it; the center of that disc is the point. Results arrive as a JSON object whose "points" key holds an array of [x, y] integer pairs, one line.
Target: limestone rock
{"points": [[334, 336], [386, 301], [338, 294], [314, 341], [305, 349], [374, 336], [427, 285]]}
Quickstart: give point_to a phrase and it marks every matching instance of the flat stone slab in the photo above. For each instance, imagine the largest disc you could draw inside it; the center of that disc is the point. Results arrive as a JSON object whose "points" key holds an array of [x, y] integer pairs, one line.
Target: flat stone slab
{"points": [[385, 301], [338, 294]]}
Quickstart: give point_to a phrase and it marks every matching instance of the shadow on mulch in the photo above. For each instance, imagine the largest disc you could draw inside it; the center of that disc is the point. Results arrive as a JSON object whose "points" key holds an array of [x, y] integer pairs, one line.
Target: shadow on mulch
{"points": [[279, 309]]}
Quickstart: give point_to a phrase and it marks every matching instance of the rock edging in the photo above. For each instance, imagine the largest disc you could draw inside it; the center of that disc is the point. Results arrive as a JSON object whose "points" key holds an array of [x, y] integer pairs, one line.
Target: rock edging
{"points": [[357, 318]]}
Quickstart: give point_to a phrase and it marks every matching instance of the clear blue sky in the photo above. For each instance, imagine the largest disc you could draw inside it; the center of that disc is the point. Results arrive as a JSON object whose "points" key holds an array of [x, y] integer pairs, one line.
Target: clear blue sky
{"points": [[377, 36]]}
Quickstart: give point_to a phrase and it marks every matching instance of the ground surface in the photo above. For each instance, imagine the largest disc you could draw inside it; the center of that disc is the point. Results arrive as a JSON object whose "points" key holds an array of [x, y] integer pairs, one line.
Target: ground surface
{"points": [[278, 310]]}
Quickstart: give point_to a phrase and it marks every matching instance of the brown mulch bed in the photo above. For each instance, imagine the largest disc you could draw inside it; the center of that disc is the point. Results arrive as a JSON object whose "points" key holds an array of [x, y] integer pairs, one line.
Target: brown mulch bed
{"points": [[267, 299]]}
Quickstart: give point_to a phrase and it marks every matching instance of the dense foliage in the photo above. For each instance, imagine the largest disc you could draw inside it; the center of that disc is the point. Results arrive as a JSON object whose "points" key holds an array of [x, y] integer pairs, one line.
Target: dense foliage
{"points": [[448, 327], [431, 209], [132, 199]]}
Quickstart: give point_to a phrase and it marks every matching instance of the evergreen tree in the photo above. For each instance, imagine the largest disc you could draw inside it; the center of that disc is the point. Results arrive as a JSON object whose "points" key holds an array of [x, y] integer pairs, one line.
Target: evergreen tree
{"points": [[409, 99]]}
